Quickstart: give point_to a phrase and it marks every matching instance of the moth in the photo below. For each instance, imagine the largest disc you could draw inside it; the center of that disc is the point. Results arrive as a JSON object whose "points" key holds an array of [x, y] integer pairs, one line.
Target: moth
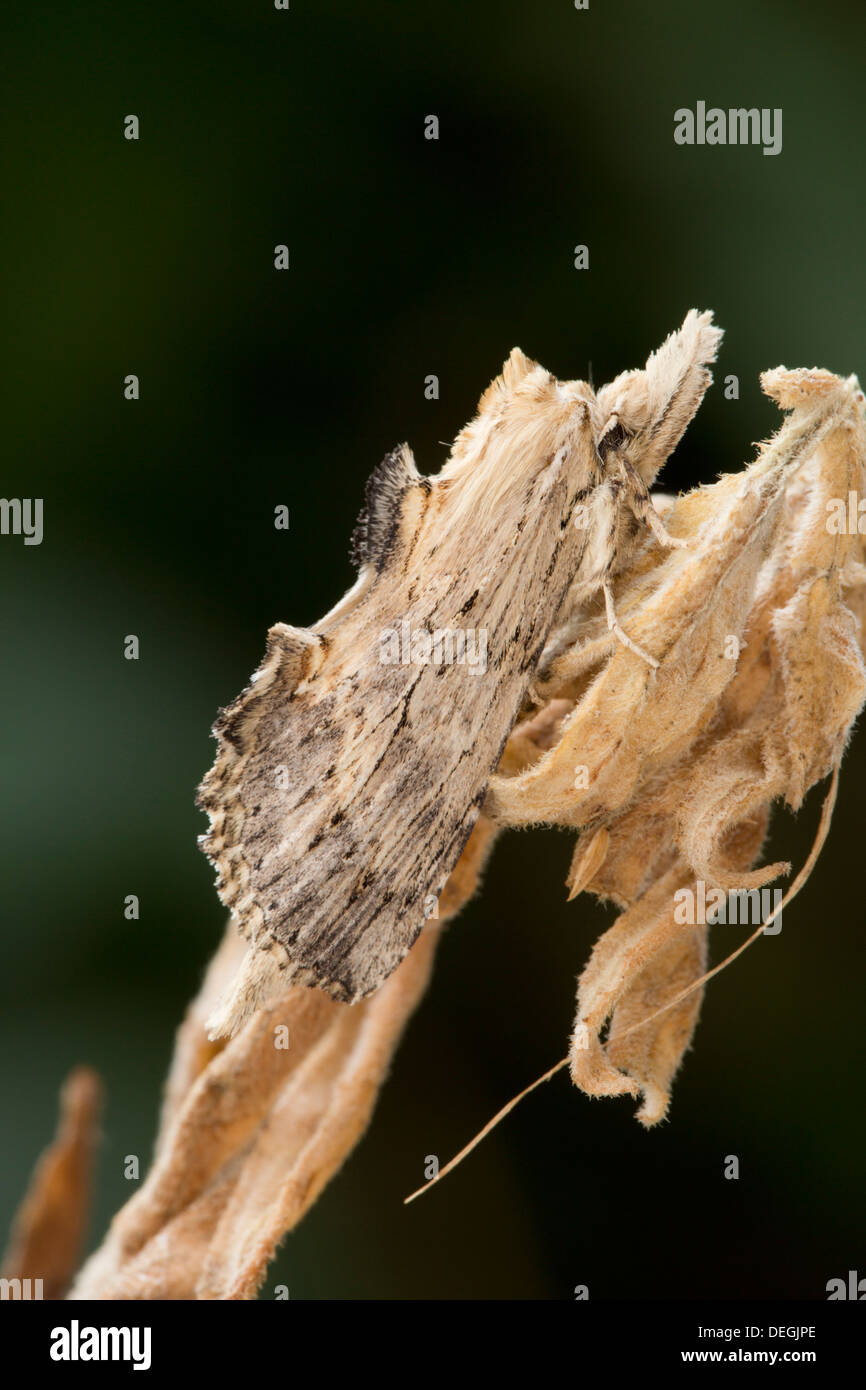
{"points": [[352, 769]]}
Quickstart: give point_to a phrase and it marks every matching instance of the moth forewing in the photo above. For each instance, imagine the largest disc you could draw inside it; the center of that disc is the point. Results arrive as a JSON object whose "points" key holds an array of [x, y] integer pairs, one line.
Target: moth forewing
{"points": [[352, 770]]}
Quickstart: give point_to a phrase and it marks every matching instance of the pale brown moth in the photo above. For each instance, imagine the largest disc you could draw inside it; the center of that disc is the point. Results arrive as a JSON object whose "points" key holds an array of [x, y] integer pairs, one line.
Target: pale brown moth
{"points": [[352, 769]]}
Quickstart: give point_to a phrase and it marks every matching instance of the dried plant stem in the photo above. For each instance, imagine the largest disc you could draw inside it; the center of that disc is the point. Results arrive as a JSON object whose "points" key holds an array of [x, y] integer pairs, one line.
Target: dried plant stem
{"points": [[49, 1229]]}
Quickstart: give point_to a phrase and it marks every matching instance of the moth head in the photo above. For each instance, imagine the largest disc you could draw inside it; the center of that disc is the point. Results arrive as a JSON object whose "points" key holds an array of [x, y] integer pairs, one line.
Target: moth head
{"points": [[621, 419], [613, 438], [643, 414]]}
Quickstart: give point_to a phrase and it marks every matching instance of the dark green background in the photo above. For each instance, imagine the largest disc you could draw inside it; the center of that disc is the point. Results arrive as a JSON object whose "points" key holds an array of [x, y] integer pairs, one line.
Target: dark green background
{"points": [[408, 257]]}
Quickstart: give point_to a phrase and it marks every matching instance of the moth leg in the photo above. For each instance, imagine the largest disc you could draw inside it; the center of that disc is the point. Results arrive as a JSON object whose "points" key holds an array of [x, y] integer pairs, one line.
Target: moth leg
{"points": [[641, 504], [618, 632], [532, 694]]}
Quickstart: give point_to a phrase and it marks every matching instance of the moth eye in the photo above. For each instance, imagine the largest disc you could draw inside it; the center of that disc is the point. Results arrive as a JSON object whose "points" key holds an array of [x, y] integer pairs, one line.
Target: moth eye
{"points": [[613, 439]]}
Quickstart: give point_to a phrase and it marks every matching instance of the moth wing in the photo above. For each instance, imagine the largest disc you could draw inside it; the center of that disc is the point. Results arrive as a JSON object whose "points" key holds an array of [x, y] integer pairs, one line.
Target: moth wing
{"points": [[283, 765]]}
